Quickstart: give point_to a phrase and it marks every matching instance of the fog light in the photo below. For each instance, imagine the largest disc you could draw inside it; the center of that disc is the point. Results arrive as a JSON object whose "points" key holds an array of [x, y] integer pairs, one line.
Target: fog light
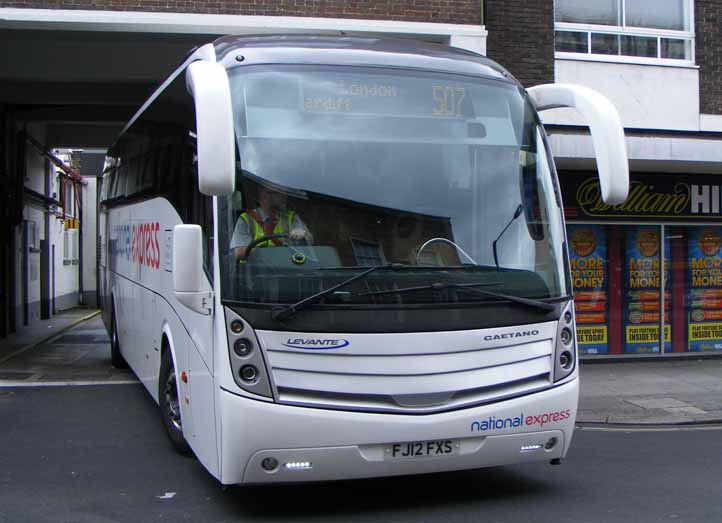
{"points": [[529, 448], [248, 373], [298, 465], [236, 326], [242, 347], [565, 360], [550, 444], [269, 464], [566, 336]]}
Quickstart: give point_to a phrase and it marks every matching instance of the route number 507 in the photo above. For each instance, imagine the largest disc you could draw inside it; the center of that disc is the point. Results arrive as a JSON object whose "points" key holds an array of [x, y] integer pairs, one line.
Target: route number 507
{"points": [[447, 100]]}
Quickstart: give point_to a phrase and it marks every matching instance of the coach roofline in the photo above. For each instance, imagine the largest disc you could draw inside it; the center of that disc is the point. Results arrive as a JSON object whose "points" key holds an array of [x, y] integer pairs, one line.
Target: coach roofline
{"points": [[234, 51]]}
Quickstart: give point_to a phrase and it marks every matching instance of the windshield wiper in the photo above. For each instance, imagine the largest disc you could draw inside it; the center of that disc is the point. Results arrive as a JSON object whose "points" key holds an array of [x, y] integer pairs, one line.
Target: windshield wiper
{"points": [[438, 286], [280, 314], [537, 304]]}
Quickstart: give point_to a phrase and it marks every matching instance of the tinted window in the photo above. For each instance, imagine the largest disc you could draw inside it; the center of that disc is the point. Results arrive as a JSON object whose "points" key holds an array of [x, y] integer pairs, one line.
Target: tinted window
{"points": [[156, 157]]}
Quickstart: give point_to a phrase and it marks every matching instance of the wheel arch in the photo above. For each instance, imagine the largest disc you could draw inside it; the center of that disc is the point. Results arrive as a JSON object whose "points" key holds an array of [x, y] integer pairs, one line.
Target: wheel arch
{"points": [[167, 346]]}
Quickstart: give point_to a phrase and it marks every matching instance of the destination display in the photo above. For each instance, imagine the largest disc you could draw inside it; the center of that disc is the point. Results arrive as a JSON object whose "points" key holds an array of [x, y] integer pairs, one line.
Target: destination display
{"points": [[703, 299], [385, 95], [588, 263]]}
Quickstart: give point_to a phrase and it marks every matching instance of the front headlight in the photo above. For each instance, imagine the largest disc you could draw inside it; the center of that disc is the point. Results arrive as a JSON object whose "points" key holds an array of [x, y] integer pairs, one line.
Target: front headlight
{"points": [[565, 353], [247, 363]]}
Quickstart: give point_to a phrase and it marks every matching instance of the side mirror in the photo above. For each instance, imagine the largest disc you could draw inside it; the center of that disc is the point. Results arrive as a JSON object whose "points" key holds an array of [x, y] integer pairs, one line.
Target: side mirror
{"points": [[189, 283], [208, 83], [606, 128]]}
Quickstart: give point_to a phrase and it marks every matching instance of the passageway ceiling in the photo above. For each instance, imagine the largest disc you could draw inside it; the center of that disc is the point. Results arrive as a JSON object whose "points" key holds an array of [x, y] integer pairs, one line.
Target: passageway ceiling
{"points": [[84, 85]]}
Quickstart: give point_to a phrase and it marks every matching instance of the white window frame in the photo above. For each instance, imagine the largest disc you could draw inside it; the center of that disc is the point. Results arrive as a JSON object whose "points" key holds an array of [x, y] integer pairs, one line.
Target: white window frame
{"points": [[625, 30], [70, 246]]}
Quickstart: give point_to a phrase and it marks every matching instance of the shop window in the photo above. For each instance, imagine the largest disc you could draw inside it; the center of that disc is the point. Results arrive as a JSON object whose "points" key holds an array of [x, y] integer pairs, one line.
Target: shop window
{"points": [[67, 196], [617, 276], [645, 31], [588, 258], [699, 267], [641, 304]]}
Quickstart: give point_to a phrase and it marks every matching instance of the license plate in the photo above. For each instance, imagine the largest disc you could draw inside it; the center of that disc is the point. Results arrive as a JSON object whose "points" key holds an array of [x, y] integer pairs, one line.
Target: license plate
{"points": [[422, 449]]}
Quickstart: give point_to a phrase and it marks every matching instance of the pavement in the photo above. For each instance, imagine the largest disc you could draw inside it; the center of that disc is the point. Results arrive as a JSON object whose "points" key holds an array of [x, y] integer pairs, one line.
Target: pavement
{"points": [[633, 392], [41, 331], [72, 349]]}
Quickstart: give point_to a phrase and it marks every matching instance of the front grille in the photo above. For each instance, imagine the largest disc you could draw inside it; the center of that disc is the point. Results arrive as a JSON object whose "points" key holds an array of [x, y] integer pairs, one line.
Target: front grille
{"points": [[403, 381]]}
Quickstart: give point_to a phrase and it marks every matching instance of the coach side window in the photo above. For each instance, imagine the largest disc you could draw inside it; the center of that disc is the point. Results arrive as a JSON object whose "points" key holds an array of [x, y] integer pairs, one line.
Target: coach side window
{"points": [[157, 158]]}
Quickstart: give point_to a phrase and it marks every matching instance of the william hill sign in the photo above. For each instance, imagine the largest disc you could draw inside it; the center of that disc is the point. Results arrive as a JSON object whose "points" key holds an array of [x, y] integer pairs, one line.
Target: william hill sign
{"points": [[661, 197]]}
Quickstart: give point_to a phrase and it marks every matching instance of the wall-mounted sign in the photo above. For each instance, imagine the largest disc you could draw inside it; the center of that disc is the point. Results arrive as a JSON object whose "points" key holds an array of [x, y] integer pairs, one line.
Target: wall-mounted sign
{"points": [[661, 197]]}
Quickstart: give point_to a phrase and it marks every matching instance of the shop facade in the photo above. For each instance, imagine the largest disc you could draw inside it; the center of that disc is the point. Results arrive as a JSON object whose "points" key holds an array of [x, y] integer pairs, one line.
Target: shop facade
{"points": [[660, 250]]}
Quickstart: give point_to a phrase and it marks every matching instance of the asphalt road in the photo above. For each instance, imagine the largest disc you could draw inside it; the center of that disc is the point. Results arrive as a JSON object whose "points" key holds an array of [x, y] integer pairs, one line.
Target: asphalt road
{"points": [[98, 453]]}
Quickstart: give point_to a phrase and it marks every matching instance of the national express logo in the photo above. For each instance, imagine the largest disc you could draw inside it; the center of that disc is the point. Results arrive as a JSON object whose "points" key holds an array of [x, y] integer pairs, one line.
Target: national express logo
{"points": [[138, 243], [534, 420]]}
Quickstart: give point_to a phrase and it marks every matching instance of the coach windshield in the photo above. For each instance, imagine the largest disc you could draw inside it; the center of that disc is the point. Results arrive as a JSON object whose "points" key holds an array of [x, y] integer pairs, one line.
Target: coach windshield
{"points": [[446, 177]]}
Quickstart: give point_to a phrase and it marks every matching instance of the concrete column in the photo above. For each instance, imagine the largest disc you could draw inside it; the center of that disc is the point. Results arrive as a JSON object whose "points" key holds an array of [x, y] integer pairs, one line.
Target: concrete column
{"points": [[90, 280]]}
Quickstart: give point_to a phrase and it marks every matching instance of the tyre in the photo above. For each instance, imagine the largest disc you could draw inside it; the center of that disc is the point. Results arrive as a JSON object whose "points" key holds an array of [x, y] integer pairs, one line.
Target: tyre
{"points": [[116, 358], [169, 402]]}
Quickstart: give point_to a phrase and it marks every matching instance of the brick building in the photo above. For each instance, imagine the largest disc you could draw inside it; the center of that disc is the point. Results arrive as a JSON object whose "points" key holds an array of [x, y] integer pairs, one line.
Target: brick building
{"points": [[75, 71]]}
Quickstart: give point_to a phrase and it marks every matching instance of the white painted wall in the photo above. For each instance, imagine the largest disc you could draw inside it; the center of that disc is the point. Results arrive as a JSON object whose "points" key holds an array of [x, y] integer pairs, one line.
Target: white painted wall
{"points": [[67, 281], [476, 44], [646, 96], [35, 171], [646, 153]]}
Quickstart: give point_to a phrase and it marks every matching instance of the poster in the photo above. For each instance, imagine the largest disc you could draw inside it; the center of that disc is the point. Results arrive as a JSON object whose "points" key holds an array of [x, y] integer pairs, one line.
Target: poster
{"points": [[588, 261], [641, 307], [703, 298]]}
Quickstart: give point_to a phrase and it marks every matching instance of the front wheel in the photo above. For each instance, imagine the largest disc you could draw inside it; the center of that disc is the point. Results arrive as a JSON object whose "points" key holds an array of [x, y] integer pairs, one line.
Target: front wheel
{"points": [[169, 402]]}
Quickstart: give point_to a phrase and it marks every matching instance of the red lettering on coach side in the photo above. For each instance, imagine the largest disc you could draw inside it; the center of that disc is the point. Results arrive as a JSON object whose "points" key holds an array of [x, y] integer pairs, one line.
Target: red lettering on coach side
{"points": [[145, 247]]}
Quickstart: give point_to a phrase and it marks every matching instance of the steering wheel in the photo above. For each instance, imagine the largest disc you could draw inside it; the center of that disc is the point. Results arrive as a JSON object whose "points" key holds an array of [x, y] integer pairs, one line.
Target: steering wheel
{"points": [[444, 240], [255, 243]]}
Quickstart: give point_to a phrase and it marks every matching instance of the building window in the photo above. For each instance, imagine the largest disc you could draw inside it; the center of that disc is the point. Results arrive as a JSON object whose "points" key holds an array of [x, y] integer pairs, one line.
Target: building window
{"points": [[636, 31], [367, 253], [70, 247]]}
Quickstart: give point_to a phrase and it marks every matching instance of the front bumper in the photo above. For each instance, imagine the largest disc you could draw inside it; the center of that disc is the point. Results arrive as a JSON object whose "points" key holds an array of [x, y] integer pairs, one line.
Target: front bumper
{"points": [[346, 445]]}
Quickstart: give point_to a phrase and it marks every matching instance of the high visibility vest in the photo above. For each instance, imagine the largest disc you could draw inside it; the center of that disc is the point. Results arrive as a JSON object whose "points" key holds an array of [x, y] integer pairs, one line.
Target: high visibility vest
{"points": [[257, 230]]}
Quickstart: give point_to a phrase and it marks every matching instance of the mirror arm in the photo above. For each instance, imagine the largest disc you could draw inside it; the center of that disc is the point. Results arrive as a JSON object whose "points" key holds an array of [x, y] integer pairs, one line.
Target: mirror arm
{"points": [[606, 128], [209, 85]]}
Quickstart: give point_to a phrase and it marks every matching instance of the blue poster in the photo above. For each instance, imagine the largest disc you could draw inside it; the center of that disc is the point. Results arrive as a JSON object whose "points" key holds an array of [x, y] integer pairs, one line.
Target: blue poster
{"points": [[703, 300], [588, 263], [641, 291]]}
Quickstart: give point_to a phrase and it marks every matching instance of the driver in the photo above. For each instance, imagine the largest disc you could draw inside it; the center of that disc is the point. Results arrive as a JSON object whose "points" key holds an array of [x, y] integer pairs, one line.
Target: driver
{"points": [[271, 217]]}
